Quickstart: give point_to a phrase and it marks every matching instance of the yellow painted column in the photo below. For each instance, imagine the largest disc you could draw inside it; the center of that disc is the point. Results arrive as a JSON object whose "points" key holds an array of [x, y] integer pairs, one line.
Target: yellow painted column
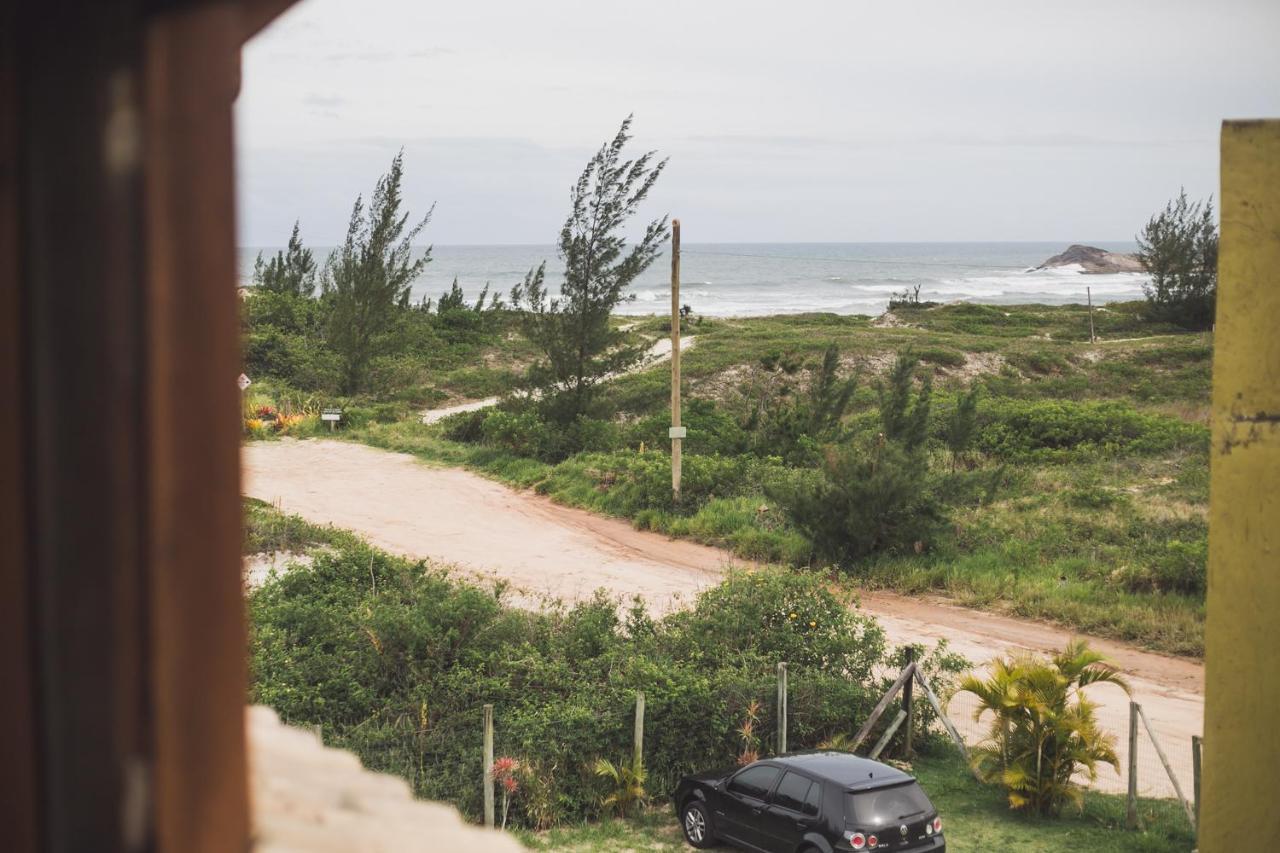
{"points": [[1241, 784]]}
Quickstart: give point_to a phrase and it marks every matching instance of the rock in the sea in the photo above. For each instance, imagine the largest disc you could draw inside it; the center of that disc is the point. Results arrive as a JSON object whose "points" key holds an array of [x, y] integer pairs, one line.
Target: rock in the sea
{"points": [[1094, 260]]}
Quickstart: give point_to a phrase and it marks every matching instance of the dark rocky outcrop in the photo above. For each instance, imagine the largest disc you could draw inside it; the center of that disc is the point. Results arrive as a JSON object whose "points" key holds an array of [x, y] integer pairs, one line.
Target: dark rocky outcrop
{"points": [[1094, 260]]}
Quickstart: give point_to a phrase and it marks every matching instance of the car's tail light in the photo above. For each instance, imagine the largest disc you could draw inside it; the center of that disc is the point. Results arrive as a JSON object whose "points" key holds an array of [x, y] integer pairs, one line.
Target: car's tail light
{"points": [[856, 840], [872, 841], [937, 824]]}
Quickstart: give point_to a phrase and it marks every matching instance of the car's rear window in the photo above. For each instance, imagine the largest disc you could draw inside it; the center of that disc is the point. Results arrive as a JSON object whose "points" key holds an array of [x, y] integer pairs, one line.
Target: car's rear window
{"points": [[883, 806]]}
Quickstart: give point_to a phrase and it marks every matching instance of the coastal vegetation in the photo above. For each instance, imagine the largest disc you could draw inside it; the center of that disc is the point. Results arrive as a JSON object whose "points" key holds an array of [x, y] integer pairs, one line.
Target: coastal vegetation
{"points": [[394, 659], [1178, 248]]}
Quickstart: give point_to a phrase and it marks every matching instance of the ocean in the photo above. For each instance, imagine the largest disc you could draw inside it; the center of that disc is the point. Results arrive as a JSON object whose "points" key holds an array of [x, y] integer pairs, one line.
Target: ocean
{"points": [[745, 279]]}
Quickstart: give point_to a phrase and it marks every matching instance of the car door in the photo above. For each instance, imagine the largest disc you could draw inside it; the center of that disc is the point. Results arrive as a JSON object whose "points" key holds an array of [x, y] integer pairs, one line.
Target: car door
{"points": [[742, 816], [791, 811]]}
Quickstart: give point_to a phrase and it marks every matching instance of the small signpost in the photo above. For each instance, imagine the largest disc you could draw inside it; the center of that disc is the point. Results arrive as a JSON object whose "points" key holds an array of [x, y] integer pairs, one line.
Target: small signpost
{"points": [[243, 382], [332, 416]]}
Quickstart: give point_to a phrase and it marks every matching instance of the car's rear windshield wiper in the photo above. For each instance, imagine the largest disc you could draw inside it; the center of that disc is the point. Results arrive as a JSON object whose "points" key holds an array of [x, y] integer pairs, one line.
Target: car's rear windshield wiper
{"points": [[910, 814]]}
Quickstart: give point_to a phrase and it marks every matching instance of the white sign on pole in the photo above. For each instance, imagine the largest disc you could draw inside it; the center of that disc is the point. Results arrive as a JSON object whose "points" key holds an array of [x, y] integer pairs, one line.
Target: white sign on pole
{"points": [[677, 432], [331, 415], [244, 382]]}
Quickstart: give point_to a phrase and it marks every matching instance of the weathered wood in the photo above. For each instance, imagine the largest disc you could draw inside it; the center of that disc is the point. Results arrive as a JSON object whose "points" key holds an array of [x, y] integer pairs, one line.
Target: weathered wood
{"points": [[193, 518], [1089, 294], [488, 766], [637, 756], [1197, 745], [906, 704], [946, 721], [18, 714], [1131, 810], [782, 708], [1168, 768], [907, 672], [888, 734], [676, 443]]}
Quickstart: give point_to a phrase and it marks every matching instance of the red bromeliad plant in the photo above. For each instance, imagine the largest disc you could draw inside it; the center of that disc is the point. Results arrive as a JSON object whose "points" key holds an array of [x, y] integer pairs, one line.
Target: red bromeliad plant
{"points": [[504, 772]]}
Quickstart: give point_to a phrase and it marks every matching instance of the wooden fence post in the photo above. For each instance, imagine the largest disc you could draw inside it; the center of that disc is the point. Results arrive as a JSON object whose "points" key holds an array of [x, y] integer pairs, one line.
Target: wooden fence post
{"points": [[782, 708], [1197, 743], [907, 705], [1168, 768], [637, 757], [907, 672], [1131, 813], [946, 722], [888, 735], [488, 766]]}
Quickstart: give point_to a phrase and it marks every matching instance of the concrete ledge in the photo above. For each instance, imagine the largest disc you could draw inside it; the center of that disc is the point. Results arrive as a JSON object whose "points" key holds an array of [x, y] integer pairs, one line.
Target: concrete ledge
{"points": [[307, 797]]}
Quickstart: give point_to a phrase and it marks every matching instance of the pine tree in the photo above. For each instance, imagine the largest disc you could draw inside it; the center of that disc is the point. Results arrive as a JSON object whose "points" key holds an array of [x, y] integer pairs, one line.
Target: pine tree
{"points": [[368, 278], [1179, 248], [904, 412], [572, 329], [291, 272]]}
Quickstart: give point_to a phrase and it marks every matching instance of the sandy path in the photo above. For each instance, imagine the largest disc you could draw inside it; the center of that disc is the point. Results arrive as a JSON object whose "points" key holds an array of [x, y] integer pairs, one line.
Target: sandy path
{"points": [[402, 505], [658, 353]]}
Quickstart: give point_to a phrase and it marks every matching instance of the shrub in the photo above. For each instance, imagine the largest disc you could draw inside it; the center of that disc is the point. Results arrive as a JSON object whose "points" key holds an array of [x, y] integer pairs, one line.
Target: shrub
{"points": [[941, 356], [396, 659], [864, 500], [1058, 429], [1043, 730]]}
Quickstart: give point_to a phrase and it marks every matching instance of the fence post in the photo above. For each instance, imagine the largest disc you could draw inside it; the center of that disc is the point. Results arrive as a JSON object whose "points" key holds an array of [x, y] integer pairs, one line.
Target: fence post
{"points": [[782, 708], [907, 705], [1131, 814], [637, 757], [1168, 768], [1197, 743], [488, 766], [887, 736]]}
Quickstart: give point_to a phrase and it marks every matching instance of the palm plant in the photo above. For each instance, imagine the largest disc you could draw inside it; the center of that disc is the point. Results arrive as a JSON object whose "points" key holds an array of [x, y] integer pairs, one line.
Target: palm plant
{"points": [[1044, 729], [626, 784]]}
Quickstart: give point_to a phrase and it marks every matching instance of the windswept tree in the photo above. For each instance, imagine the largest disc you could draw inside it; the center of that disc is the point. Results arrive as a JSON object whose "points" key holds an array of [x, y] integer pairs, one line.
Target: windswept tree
{"points": [[572, 328], [1179, 248], [369, 276], [291, 272]]}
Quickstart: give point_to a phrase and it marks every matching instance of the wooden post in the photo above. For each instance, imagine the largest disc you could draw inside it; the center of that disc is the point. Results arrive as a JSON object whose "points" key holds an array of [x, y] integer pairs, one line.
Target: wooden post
{"points": [[1089, 294], [878, 710], [1168, 768], [946, 721], [907, 705], [677, 431], [782, 708], [637, 757], [888, 734], [488, 766], [1131, 814], [1197, 743]]}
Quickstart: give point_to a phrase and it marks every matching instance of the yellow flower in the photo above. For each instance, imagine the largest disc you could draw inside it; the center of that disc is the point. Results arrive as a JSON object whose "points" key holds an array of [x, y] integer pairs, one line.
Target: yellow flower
{"points": [[793, 616], [813, 624]]}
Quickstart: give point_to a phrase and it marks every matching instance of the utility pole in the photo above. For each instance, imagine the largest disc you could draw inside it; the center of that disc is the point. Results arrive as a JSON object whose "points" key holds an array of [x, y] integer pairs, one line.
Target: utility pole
{"points": [[677, 432], [1089, 293]]}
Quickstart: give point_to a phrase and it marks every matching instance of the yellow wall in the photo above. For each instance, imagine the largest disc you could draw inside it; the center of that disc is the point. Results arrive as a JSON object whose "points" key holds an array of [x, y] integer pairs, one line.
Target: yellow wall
{"points": [[1240, 806]]}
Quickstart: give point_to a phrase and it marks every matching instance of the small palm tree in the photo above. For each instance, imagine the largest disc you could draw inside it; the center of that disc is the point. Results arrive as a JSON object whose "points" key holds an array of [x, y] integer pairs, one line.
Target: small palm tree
{"points": [[626, 784], [1044, 729]]}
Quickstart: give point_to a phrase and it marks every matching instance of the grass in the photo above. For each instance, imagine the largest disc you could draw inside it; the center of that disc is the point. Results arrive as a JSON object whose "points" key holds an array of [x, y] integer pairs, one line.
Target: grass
{"points": [[976, 818]]}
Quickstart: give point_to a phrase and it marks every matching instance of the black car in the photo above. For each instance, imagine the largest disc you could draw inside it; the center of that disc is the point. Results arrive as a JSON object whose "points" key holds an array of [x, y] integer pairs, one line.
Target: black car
{"points": [[815, 802]]}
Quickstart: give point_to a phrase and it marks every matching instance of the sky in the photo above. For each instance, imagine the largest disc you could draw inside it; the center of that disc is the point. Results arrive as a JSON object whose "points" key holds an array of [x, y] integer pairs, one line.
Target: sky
{"points": [[841, 121]]}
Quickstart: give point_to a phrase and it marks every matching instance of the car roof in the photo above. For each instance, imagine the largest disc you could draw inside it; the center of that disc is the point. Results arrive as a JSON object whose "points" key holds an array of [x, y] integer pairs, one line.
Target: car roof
{"points": [[843, 768]]}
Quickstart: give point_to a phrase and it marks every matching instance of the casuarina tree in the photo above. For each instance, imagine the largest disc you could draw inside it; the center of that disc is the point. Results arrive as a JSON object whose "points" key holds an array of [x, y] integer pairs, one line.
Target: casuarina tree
{"points": [[291, 272], [572, 329], [1179, 248], [368, 277]]}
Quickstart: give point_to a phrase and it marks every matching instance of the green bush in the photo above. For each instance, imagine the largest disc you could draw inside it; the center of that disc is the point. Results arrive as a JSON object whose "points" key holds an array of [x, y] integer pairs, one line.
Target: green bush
{"points": [[395, 661], [941, 356], [1055, 430]]}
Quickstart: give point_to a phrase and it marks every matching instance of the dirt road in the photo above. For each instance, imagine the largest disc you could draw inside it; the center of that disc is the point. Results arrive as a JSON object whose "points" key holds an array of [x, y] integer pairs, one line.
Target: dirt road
{"points": [[402, 505]]}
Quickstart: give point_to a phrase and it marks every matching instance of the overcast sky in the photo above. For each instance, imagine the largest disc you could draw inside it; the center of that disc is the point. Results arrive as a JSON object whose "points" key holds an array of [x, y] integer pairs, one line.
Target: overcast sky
{"points": [[799, 121]]}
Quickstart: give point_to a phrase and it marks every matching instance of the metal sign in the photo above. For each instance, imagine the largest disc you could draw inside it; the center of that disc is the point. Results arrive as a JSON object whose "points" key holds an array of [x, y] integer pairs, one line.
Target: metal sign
{"points": [[678, 432], [331, 414], [244, 382]]}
